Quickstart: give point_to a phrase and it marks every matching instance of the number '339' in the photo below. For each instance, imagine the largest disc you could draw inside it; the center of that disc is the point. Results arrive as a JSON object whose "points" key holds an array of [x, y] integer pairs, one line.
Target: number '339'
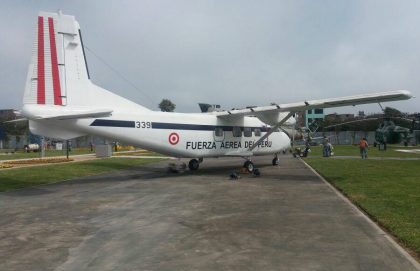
{"points": [[143, 124]]}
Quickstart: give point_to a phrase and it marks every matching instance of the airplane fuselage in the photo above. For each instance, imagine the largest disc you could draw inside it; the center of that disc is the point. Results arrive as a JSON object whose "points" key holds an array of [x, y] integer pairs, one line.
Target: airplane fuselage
{"points": [[180, 134]]}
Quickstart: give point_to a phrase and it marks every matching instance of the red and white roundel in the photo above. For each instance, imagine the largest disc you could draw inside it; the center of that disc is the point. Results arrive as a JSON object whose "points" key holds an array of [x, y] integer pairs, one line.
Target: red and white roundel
{"points": [[173, 138]]}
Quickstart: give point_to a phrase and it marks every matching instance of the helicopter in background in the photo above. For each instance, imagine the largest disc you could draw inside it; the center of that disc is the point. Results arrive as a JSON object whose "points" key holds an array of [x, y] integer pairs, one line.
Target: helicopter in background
{"points": [[388, 132]]}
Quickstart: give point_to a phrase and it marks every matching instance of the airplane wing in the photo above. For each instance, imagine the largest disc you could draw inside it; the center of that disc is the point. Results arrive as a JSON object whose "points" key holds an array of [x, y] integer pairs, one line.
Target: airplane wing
{"points": [[277, 115], [306, 105]]}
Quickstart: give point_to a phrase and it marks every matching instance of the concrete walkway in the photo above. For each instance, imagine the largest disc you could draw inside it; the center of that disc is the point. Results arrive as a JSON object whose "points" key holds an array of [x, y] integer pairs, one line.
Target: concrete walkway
{"points": [[148, 219], [369, 158]]}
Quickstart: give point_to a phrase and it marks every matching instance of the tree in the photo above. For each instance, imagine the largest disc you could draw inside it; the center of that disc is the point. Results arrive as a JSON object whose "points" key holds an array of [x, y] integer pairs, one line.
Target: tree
{"points": [[3, 135], [13, 128], [392, 112], [167, 106]]}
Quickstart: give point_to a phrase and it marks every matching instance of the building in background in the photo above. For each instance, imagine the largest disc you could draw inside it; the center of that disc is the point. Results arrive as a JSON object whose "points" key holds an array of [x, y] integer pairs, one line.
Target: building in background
{"points": [[7, 114], [338, 118], [313, 115], [3, 136]]}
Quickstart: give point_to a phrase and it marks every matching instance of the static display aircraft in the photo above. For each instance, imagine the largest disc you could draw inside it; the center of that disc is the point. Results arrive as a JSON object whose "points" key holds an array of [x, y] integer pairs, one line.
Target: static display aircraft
{"points": [[61, 102], [388, 132]]}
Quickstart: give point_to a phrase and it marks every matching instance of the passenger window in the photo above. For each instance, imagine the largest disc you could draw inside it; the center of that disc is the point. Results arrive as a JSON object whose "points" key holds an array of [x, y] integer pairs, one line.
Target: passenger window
{"points": [[247, 131], [257, 132], [237, 131], [218, 131]]}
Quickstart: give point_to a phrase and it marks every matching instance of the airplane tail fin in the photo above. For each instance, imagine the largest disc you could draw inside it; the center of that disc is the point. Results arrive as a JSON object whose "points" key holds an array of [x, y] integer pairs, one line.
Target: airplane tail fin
{"points": [[58, 74], [58, 62]]}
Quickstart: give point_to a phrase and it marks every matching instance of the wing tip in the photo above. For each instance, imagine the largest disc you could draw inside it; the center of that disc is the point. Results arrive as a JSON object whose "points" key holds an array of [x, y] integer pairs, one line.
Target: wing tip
{"points": [[407, 94]]}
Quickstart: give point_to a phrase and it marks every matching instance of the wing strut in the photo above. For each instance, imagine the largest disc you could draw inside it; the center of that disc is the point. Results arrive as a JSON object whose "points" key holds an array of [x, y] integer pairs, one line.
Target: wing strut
{"points": [[275, 127]]}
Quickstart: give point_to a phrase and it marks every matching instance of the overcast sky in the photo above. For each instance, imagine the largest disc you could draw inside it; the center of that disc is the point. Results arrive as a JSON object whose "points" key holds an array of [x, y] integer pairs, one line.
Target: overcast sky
{"points": [[233, 53]]}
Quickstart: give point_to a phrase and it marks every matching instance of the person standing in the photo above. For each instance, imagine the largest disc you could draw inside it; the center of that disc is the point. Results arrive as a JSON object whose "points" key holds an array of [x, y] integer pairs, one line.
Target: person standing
{"points": [[363, 145], [325, 147], [330, 149]]}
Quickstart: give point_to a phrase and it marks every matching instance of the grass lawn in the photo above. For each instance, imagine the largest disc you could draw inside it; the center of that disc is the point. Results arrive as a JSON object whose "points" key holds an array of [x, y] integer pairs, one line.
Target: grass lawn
{"points": [[350, 150], [48, 153], [29, 176], [388, 190], [137, 153], [75, 151]]}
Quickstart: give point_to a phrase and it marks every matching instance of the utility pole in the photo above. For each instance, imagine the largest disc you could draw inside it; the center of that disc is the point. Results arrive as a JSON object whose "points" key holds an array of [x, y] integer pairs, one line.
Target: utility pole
{"points": [[42, 147], [67, 149]]}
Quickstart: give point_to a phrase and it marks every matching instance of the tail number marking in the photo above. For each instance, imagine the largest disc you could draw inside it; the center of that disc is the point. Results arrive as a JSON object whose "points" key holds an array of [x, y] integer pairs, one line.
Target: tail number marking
{"points": [[143, 124]]}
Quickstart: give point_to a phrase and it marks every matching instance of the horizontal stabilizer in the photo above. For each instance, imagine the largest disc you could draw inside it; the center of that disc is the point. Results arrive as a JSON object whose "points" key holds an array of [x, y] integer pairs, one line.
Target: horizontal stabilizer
{"points": [[91, 114], [16, 120], [63, 113]]}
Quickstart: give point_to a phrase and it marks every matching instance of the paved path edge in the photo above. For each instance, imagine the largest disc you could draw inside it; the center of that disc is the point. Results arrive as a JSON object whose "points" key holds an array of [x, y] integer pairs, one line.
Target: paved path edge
{"points": [[402, 250]]}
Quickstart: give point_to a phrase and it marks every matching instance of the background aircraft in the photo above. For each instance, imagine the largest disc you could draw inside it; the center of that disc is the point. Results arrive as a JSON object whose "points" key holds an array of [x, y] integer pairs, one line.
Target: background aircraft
{"points": [[388, 132]]}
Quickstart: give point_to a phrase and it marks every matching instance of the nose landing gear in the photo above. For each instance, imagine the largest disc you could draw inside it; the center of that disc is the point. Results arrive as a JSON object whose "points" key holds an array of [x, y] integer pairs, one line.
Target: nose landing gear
{"points": [[249, 166]]}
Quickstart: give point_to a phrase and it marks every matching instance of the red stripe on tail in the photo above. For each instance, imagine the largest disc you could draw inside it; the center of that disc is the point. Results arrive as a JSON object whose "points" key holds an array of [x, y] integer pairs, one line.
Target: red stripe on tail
{"points": [[41, 68], [54, 64]]}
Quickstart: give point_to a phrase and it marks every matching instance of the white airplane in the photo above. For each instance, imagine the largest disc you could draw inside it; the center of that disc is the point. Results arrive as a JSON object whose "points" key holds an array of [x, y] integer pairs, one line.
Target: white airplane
{"points": [[61, 102]]}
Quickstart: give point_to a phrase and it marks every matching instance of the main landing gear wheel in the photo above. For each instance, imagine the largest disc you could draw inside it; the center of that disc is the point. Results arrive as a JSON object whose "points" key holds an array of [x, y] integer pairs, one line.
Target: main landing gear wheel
{"points": [[249, 166], [275, 161], [193, 164]]}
